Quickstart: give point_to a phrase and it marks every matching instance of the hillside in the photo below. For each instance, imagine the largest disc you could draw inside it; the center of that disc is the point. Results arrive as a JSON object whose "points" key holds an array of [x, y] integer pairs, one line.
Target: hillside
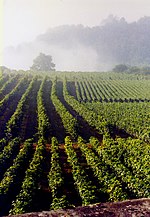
{"points": [[72, 139]]}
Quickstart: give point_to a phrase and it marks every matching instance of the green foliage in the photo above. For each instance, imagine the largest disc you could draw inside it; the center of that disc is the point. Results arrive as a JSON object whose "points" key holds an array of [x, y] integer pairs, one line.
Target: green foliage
{"points": [[111, 103], [10, 177], [110, 185], [133, 118], [13, 124], [114, 154], [11, 95], [56, 180], [85, 188], [69, 122], [7, 154], [3, 142], [120, 68], [25, 198], [132, 69], [43, 63], [7, 85], [91, 117], [43, 120]]}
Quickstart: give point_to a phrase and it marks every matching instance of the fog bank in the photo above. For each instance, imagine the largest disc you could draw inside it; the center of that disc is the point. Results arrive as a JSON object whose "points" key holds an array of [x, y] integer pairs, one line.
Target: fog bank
{"points": [[80, 48]]}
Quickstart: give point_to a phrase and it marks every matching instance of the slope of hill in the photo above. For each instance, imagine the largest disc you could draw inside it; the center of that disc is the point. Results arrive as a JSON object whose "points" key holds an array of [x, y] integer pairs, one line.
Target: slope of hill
{"points": [[72, 139]]}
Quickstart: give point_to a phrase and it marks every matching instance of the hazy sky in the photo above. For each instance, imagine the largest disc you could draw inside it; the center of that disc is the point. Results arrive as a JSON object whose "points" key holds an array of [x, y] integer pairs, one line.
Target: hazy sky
{"points": [[23, 20]]}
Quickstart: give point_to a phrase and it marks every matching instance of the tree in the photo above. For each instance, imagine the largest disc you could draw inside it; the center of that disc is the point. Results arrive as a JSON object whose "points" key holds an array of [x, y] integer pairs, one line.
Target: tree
{"points": [[4, 70], [120, 68], [43, 63]]}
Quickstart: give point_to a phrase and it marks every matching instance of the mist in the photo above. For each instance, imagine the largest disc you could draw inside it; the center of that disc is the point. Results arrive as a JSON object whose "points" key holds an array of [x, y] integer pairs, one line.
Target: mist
{"points": [[79, 58], [83, 48]]}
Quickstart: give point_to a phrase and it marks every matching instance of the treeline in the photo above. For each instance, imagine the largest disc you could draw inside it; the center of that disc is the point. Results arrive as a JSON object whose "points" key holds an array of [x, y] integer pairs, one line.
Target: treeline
{"points": [[132, 69]]}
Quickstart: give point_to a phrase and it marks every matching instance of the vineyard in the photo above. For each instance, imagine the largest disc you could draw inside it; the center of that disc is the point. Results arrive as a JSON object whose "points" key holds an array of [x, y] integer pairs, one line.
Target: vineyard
{"points": [[71, 138]]}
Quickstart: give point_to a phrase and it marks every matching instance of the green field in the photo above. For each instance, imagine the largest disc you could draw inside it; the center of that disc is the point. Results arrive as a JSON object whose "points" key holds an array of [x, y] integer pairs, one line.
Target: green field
{"points": [[72, 138]]}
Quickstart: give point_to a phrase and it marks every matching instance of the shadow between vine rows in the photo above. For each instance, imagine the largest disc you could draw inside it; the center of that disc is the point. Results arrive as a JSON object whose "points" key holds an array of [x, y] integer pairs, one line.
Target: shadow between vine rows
{"points": [[72, 89], [57, 128], [102, 197], [69, 187], [10, 109], [84, 129], [29, 124], [15, 187]]}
